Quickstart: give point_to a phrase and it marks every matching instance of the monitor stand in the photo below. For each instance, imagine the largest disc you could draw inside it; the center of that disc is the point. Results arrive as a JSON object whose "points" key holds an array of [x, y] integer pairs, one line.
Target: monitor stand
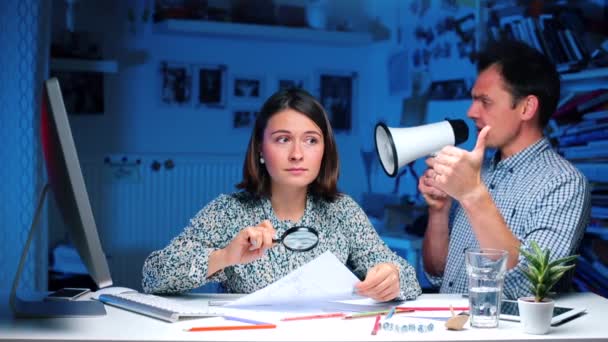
{"points": [[42, 308]]}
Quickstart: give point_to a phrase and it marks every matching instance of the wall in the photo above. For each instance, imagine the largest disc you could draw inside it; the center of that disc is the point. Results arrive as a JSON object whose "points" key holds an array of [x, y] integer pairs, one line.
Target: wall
{"points": [[24, 27], [403, 19], [136, 122]]}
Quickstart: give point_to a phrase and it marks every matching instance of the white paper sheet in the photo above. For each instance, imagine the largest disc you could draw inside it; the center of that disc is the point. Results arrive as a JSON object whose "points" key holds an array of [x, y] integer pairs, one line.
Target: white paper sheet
{"points": [[323, 279]]}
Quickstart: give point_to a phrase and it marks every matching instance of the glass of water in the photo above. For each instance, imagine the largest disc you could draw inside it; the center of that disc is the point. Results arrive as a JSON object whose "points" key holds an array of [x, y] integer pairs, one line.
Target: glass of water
{"points": [[486, 270]]}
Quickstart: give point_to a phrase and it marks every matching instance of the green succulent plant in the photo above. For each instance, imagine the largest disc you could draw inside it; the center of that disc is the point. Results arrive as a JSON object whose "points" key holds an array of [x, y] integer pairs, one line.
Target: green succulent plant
{"points": [[542, 272]]}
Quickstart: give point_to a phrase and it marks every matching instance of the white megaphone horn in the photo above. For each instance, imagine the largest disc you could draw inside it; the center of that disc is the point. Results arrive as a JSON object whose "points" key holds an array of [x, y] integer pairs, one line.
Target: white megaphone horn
{"points": [[397, 147]]}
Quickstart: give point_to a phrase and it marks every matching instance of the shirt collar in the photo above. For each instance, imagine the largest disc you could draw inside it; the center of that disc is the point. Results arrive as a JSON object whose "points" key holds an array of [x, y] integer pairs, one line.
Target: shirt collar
{"points": [[270, 215], [520, 158]]}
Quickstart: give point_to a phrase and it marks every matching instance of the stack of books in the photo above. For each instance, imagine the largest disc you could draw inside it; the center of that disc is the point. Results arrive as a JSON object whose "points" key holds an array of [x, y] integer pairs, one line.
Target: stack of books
{"points": [[580, 131], [560, 30]]}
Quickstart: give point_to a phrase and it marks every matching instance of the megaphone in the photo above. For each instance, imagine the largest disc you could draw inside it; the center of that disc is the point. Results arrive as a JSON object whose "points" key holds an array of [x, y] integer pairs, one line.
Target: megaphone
{"points": [[397, 147]]}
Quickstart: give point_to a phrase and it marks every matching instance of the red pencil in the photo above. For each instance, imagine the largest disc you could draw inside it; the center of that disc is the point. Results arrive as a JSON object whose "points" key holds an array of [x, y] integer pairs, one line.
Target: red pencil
{"points": [[233, 327], [376, 325], [297, 318]]}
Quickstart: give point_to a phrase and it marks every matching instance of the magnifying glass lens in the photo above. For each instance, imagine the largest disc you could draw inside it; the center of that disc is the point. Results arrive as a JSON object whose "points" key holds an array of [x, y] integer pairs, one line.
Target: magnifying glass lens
{"points": [[300, 239]]}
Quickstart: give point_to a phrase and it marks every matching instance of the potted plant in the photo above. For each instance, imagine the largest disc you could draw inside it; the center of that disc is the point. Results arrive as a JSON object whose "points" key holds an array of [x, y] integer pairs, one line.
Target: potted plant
{"points": [[536, 312]]}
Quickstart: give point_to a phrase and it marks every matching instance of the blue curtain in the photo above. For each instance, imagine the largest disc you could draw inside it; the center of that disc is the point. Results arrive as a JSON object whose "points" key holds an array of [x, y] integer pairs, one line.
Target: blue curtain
{"points": [[24, 46]]}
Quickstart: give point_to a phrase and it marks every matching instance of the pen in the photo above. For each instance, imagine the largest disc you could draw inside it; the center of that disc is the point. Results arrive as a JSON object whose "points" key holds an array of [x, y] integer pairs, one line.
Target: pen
{"points": [[374, 313], [297, 318], [243, 320], [376, 325], [233, 327]]}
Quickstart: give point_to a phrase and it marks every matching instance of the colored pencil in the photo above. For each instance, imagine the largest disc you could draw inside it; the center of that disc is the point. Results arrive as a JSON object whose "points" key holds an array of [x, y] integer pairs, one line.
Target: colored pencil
{"points": [[391, 313], [432, 308], [374, 313], [376, 325], [243, 320], [298, 318], [233, 327]]}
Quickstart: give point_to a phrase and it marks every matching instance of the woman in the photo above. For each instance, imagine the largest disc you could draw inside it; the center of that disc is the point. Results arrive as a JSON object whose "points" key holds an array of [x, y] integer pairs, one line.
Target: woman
{"points": [[290, 179]]}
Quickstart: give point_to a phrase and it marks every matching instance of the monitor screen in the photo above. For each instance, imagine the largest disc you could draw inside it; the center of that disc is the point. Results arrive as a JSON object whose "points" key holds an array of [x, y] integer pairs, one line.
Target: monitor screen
{"points": [[67, 183]]}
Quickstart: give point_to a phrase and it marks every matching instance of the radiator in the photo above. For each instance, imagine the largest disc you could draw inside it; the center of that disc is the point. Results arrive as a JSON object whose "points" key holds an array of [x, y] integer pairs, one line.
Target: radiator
{"points": [[141, 202]]}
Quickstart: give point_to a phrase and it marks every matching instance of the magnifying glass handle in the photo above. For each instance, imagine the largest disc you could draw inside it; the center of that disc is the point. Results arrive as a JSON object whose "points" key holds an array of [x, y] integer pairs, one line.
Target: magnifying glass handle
{"points": [[274, 240]]}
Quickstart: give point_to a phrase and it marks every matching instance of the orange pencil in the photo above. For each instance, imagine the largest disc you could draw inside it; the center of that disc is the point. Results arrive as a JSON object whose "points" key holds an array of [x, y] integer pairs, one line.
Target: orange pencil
{"points": [[233, 327], [297, 318]]}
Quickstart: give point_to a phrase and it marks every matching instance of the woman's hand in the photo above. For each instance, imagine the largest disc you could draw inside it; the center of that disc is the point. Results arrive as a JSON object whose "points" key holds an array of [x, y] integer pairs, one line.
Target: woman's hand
{"points": [[248, 245], [381, 283]]}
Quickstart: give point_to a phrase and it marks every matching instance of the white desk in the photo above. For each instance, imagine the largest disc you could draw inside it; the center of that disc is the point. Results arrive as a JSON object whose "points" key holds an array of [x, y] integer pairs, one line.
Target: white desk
{"points": [[120, 325]]}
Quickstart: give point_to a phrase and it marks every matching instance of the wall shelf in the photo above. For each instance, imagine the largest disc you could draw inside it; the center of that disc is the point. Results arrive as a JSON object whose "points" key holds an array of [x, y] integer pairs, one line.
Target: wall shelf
{"points": [[86, 65], [262, 32]]}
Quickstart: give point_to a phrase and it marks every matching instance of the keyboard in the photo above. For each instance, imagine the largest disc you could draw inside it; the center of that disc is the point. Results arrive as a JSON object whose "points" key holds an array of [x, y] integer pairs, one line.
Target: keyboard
{"points": [[163, 308]]}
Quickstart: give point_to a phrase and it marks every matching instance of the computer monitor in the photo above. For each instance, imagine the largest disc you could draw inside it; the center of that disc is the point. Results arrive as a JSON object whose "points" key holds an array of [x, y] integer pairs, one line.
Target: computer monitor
{"points": [[66, 181]]}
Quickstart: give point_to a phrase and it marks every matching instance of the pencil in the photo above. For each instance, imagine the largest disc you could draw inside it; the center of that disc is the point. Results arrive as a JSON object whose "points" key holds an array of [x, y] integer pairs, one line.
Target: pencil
{"points": [[391, 313], [297, 318], [233, 327], [243, 320], [432, 308], [374, 313], [376, 325]]}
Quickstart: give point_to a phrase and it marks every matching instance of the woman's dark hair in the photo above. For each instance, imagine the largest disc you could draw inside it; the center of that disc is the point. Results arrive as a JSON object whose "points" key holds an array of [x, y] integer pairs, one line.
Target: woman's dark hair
{"points": [[525, 71], [256, 179]]}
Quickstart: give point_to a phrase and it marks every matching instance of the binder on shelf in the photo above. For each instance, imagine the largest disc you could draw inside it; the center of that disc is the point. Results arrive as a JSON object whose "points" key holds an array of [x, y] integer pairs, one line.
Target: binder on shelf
{"points": [[600, 99], [599, 212], [574, 108], [595, 172], [597, 116], [577, 128], [584, 137]]}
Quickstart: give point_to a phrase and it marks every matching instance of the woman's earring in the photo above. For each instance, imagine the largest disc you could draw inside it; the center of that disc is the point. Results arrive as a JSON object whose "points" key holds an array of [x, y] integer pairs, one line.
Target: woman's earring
{"points": [[262, 160]]}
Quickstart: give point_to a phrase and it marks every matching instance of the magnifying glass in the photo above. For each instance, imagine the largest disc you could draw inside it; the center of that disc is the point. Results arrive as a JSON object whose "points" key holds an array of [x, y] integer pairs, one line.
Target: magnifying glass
{"points": [[299, 238]]}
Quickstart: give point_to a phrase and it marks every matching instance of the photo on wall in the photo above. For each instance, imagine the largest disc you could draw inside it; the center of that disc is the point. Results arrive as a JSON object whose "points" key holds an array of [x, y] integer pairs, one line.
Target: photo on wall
{"points": [[336, 96], [292, 82], [247, 88], [210, 85], [82, 91], [243, 119], [176, 83]]}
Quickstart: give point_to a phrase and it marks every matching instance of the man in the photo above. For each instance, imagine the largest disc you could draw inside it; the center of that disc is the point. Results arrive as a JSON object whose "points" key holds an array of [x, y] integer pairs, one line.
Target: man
{"points": [[523, 191]]}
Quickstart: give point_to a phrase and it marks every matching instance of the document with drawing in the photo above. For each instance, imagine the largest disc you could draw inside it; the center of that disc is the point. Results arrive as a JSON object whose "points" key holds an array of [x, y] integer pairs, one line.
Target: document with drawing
{"points": [[321, 280]]}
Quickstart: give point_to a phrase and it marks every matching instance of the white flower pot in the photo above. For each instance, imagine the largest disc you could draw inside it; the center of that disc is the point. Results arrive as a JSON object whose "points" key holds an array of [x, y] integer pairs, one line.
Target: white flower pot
{"points": [[535, 316]]}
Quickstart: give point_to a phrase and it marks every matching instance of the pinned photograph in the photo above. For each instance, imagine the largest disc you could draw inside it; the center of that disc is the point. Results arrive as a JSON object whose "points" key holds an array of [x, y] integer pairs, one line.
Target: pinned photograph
{"points": [[290, 83], [176, 81], [243, 119], [336, 95], [247, 88], [449, 90], [211, 80], [82, 91]]}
